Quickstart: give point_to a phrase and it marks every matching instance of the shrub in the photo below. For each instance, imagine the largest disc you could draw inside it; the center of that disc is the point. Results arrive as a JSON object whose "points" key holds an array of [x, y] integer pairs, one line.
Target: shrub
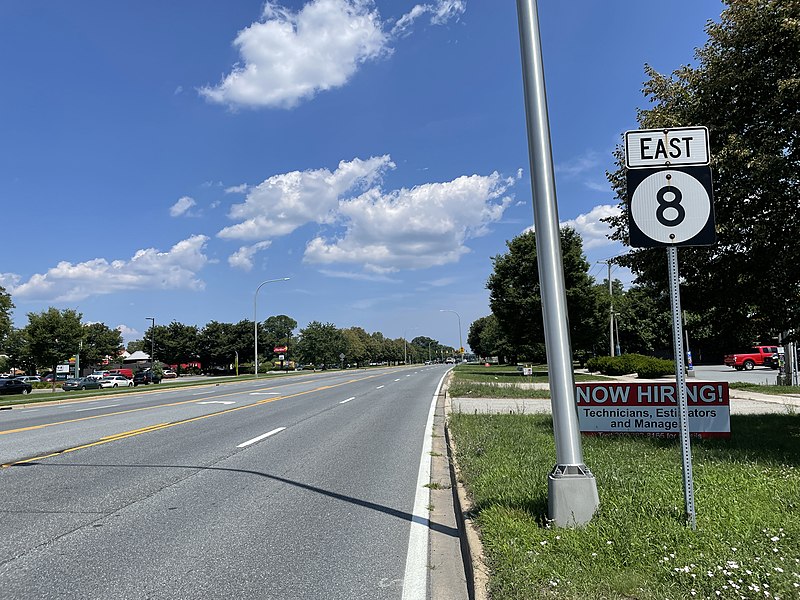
{"points": [[627, 364]]}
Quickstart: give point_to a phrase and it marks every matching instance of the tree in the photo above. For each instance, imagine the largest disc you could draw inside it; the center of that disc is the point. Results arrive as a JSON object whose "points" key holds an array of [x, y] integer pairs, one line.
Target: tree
{"points": [[486, 339], [54, 336], [6, 326], [217, 345], [277, 331], [746, 90], [137, 346], [177, 343], [321, 344], [18, 349], [99, 342], [515, 300]]}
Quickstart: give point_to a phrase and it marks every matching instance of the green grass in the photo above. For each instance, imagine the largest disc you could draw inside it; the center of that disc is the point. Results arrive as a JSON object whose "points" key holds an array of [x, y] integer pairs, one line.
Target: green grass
{"points": [[779, 390], [479, 381], [638, 545]]}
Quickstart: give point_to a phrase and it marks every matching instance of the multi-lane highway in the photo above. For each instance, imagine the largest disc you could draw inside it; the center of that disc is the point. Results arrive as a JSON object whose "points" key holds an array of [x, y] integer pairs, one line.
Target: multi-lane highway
{"points": [[297, 487]]}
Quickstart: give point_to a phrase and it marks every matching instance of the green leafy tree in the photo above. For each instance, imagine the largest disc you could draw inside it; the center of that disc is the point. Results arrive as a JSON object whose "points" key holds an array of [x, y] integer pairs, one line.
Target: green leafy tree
{"points": [[217, 345], [99, 342], [486, 338], [746, 90], [515, 299], [321, 344], [6, 308], [277, 331], [137, 346], [177, 343], [424, 348], [54, 336], [18, 350], [357, 345]]}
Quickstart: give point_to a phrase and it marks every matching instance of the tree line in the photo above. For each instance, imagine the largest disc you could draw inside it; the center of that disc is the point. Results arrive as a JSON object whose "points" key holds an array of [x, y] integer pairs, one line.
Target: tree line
{"points": [[54, 336]]}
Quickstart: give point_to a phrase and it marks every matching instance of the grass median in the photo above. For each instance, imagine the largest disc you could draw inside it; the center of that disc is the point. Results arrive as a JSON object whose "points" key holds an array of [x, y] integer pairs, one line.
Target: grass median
{"points": [[638, 545]]}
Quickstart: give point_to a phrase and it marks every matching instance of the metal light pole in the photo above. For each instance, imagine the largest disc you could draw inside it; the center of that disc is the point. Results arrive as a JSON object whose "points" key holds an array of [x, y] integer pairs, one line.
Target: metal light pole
{"points": [[255, 317], [460, 343], [571, 487], [152, 342]]}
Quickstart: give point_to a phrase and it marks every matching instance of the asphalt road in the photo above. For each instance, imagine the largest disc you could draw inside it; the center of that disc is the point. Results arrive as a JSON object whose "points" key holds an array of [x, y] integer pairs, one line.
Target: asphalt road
{"points": [[759, 375], [301, 487]]}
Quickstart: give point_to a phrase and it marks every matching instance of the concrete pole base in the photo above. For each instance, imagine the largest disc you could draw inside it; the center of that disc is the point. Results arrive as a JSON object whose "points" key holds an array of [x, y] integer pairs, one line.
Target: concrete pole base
{"points": [[572, 496]]}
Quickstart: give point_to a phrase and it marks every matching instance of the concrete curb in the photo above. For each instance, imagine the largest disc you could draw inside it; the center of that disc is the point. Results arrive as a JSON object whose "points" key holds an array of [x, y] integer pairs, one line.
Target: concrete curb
{"points": [[475, 568]]}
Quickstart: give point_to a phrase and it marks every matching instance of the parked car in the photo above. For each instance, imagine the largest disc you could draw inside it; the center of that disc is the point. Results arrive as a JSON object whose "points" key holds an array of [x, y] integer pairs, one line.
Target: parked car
{"points": [[169, 374], [59, 377], [84, 383], [112, 381], [14, 386], [145, 377], [28, 378], [124, 372]]}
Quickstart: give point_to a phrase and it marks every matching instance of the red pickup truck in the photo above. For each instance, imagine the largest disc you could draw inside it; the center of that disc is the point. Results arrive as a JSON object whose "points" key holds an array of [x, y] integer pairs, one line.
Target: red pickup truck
{"points": [[760, 356]]}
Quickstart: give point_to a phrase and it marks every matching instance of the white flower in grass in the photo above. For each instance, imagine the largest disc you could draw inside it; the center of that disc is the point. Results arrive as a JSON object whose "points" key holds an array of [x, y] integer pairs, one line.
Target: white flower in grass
{"points": [[543, 543], [774, 538], [778, 569]]}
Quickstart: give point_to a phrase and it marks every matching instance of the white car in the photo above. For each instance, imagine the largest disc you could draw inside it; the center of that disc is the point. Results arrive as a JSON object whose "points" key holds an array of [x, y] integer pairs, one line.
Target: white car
{"points": [[112, 381], [28, 378]]}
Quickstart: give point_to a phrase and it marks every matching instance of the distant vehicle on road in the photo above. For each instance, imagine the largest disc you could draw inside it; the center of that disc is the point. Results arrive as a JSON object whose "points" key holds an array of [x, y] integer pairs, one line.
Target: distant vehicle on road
{"points": [[84, 383], [112, 381], [28, 378], [758, 356], [14, 386], [169, 374]]}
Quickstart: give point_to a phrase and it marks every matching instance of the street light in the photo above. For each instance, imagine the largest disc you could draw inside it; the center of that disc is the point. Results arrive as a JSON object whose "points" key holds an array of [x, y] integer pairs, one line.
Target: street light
{"points": [[152, 342], [255, 317], [460, 342]]}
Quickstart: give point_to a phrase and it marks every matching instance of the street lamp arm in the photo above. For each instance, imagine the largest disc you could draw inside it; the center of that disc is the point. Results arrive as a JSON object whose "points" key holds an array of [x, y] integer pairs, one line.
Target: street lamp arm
{"points": [[255, 319]]}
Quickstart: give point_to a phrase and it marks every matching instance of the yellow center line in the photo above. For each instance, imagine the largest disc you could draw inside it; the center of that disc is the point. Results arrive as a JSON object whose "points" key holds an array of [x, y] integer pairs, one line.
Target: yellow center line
{"points": [[134, 432]]}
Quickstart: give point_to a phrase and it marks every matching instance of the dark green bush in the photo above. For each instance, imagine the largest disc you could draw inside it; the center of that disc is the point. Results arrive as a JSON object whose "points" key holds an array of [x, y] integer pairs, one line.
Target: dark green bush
{"points": [[644, 366]]}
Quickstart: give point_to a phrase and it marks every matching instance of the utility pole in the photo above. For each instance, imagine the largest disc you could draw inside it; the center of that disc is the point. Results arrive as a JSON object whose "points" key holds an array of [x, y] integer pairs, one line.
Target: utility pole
{"points": [[611, 314]]}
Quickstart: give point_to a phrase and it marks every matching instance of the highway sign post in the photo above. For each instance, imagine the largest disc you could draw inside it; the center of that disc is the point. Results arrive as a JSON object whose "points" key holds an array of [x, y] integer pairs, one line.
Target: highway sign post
{"points": [[670, 204]]}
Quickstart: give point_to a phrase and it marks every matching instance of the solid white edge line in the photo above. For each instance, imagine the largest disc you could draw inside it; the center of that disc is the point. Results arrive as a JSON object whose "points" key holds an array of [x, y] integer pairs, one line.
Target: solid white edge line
{"points": [[415, 580], [261, 437]]}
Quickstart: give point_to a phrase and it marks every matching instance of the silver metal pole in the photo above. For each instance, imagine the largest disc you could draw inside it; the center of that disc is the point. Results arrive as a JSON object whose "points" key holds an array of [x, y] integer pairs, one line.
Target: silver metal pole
{"points": [[255, 318], [611, 319], [572, 490], [460, 339], [680, 380]]}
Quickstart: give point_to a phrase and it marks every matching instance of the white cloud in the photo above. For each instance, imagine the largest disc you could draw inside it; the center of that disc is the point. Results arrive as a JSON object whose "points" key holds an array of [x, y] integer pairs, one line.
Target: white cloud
{"points": [[243, 257], [358, 276], [416, 228], [592, 230], [237, 189], [288, 57], [284, 202], [182, 206], [589, 162], [128, 333], [441, 12], [147, 269]]}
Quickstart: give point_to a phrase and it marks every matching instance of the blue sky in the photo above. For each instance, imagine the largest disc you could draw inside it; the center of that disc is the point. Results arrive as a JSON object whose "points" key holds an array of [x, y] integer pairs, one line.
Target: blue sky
{"points": [[162, 159]]}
